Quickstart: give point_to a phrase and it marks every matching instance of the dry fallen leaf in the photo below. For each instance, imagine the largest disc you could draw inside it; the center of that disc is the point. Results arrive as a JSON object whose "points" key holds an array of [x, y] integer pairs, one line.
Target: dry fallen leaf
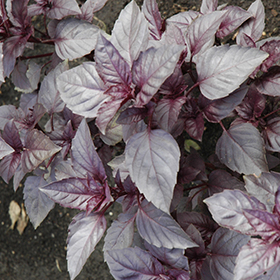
{"points": [[18, 215], [22, 221]]}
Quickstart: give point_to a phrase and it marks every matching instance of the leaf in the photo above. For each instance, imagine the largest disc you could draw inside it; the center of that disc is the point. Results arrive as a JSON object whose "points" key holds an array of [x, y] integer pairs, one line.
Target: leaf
{"points": [[9, 165], [255, 258], [82, 89], [37, 148], [5, 149], [208, 6], [152, 158], [14, 213], [75, 38], [226, 61], [37, 204], [152, 68], [227, 209], [49, 95], [133, 263], [85, 158], [130, 33], [269, 83], [152, 15], [90, 7], [120, 234], [241, 149], [225, 246], [160, 229], [84, 232]]}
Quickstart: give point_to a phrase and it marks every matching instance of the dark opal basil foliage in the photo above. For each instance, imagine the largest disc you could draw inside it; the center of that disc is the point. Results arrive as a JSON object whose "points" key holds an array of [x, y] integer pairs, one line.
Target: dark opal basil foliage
{"points": [[126, 125]]}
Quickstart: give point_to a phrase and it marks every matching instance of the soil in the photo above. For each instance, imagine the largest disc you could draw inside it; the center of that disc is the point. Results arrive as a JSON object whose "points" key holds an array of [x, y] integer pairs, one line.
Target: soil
{"points": [[41, 253]]}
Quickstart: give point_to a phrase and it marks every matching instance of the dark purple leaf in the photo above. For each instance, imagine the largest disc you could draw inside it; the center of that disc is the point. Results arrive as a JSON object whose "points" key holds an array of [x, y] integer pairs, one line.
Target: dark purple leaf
{"points": [[152, 15], [9, 165], [255, 258], [132, 115], [225, 246], [241, 148], [89, 8], [208, 6], [160, 229], [152, 157], [28, 101], [130, 33], [272, 47], [220, 79], [17, 12], [9, 112], [273, 273], [227, 209], [5, 149], [195, 126], [37, 148], [82, 89], [133, 263], [11, 136], [254, 26], [152, 68], [75, 38], [84, 232], [37, 204]]}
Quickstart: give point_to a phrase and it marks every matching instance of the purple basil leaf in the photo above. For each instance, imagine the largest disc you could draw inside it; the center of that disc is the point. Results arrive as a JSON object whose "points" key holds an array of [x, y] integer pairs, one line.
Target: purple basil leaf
{"points": [[201, 32], [130, 33], [37, 204], [255, 258], [113, 134], [160, 229], [133, 263], [132, 115], [269, 83], [220, 179], [9, 112], [152, 157], [182, 20], [28, 101], [75, 38], [273, 273], [89, 8], [151, 70], [11, 136], [84, 232], [49, 95], [37, 148], [220, 79], [54, 9], [9, 165], [179, 274], [195, 126], [263, 187], [208, 6], [111, 67], [227, 209], [5, 149], [85, 158], [234, 18], [254, 26], [152, 15], [120, 234], [225, 246], [133, 128], [216, 110], [17, 12], [265, 224], [272, 47], [172, 257], [82, 89], [167, 112], [241, 148]]}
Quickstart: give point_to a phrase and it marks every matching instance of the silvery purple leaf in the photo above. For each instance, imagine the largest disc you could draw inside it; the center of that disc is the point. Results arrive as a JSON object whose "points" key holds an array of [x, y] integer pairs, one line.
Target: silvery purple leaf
{"points": [[263, 187], [225, 246], [82, 89], [216, 110], [11, 136], [37, 148], [273, 273], [172, 257], [37, 204], [133, 128], [9, 112], [75, 38], [84, 232], [255, 258], [208, 6], [133, 263], [132, 115], [220, 79], [85, 158], [151, 70], [227, 209], [160, 229], [54, 9], [241, 149], [49, 95], [220, 179], [195, 126], [5, 149], [254, 26], [272, 47], [234, 18], [201, 32], [121, 232], [269, 83], [28, 101], [167, 112], [130, 33], [152, 15], [89, 8], [113, 134], [152, 157], [17, 12], [111, 67]]}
